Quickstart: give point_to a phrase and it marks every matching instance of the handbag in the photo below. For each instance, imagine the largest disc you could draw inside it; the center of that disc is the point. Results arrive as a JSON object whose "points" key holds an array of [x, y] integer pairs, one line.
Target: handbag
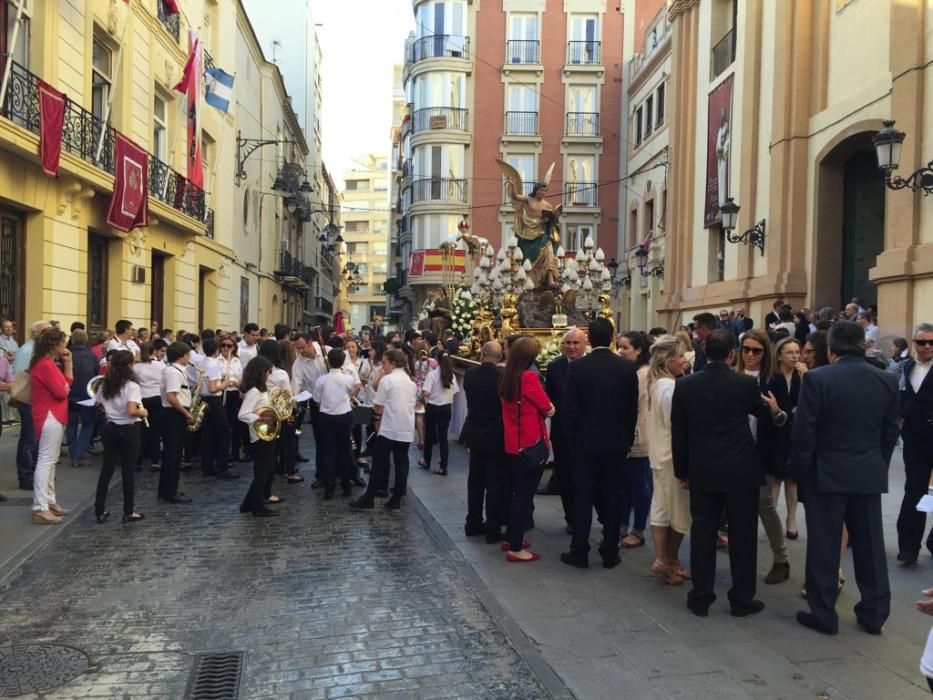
{"points": [[362, 414], [21, 388], [535, 456]]}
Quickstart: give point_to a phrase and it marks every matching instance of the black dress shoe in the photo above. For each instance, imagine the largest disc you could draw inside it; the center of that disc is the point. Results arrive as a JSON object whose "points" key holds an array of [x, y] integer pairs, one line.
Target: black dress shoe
{"points": [[808, 620], [746, 609], [357, 481], [103, 517], [871, 629], [698, 610], [394, 503], [575, 560], [317, 484], [362, 503], [265, 513], [227, 474], [907, 559], [177, 499], [346, 491], [133, 518], [611, 562], [301, 458], [474, 530]]}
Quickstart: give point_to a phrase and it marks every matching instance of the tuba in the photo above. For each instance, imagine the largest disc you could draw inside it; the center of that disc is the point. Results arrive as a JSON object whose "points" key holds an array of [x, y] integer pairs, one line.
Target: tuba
{"points": [[93, 385], [268, 425], [198, 407]]}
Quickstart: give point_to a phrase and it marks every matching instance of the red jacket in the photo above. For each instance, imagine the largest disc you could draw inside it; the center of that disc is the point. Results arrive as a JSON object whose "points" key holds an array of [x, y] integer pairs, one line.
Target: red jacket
{"points": [[49, 389], [535, 407]]}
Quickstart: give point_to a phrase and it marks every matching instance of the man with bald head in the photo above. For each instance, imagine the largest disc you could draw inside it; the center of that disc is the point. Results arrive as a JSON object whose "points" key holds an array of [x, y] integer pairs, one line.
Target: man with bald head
{"points": [[482, 433], [572, 347]]}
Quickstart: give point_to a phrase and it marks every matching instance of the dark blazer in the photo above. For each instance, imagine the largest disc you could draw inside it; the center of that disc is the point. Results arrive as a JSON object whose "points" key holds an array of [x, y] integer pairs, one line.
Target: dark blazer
{"points": [[600, 403], [554, 381], [84, 368], [845, 427], [741, 325], [711, 440], [483, 426], [775, 451], [916, 406]]}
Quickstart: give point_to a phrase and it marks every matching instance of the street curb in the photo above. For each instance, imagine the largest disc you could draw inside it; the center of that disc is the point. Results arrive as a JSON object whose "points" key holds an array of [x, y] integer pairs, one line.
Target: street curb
{"points": [[526, 649]]}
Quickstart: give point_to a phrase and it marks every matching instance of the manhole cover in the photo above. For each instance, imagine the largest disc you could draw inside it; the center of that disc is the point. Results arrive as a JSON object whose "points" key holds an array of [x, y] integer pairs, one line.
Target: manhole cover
{"points": [[35, 668], [216, 676]]}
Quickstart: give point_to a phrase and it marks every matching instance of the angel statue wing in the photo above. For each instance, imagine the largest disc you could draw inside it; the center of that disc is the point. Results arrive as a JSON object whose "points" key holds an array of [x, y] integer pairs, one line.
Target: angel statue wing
{"points": [[547, 176], [513, 177]]}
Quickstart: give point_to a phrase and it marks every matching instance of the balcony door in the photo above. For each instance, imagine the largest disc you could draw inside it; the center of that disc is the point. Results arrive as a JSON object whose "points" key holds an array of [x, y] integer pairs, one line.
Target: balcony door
{"points": [[97, 267], [523, 38], [12, 270], [157, 292]]}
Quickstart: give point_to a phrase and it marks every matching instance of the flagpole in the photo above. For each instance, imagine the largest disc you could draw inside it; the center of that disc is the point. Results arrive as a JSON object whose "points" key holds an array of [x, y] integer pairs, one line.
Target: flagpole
{"points": [[8, 64], [119, 63], [209, 190]]}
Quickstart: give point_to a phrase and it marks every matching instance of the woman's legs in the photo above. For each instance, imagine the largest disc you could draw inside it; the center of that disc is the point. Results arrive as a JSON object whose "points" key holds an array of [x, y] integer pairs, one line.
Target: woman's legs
{"points": [[524, 482], [129, 450], [112, 444], [638, 487], [48, 450], [430, 432], [441, 426], [232, 402], [790, 498]]}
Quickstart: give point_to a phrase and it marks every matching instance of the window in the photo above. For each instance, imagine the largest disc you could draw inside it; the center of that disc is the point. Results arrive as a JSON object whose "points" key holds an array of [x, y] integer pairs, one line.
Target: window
{"points": [[207, 147], [575, 235], [160, 129], [525, 165], [356, 226], [358, 248], [379, 248], [380, 268], [101, 78], [362, 268], [649, 115], [659, 104], [357, 185], [638, 125], [20, 52], [522, 98], [523, 38]]}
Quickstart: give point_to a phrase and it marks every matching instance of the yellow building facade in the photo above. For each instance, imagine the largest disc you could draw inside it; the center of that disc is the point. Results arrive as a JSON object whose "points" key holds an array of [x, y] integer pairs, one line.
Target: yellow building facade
{"points": [[60, 259], [793, 93]]}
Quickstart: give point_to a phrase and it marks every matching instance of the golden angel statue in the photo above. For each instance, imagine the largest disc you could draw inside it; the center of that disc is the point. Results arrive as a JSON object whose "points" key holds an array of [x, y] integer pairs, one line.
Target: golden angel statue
{"points": [[536, 226]]}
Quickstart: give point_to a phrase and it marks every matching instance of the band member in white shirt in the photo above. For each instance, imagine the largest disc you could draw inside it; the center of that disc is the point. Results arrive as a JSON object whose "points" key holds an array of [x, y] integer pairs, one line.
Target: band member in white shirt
{"points": [[148, 373], [122, 339], [215, 431], [256, 376], [285, 445], [394, 411], [333, 391], [122, 400], [176, 400], [232, 398], [249, 344], [440, 387]]}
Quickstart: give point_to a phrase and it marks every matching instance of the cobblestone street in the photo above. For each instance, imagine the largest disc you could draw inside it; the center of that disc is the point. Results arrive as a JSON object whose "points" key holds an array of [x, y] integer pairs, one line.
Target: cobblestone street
{"points": [[325, 603]]}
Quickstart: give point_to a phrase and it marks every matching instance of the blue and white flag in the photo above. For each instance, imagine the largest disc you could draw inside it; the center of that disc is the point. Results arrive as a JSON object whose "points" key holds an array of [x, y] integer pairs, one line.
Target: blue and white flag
{"points": [[218, 88]]}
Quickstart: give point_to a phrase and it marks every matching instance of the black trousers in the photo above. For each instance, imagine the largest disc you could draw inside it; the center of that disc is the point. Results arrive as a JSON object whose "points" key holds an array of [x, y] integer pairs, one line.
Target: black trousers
{"points": [[524, 484], [383, 449], [263, 462], [489, 479], [232, 403], [151, 437], [436, 425], [918, 464], [826, 513], [174, 432], [215, 437], [597, 481], [286, 450], [336, 452], [121, 444], [741, 508], [563, 471]]}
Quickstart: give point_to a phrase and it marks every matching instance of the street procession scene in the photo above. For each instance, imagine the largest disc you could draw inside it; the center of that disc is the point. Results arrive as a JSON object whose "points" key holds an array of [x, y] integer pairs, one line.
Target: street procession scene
{"points": [[481, 349]]}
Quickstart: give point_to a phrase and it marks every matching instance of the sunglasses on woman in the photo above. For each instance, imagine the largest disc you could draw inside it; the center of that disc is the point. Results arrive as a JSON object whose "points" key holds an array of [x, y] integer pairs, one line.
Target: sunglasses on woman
{"points": [[751, 350], [226, 345]]}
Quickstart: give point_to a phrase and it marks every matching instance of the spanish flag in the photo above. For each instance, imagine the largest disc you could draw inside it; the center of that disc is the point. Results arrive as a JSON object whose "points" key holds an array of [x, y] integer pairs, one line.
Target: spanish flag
{"points": [[432, 260]]}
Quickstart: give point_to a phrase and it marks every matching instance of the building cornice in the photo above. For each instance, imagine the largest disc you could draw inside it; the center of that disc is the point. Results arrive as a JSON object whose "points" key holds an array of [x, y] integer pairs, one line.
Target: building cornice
{"points": [[680, 7]]}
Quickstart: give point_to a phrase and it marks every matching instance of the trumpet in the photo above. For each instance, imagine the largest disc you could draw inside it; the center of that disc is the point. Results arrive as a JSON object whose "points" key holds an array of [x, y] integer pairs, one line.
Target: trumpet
{"points": [[93, 385], [268, 425]]}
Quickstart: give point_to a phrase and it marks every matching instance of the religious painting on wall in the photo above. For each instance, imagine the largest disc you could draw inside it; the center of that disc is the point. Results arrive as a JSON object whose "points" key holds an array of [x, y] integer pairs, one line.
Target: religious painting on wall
{"points": [[718, 150]]}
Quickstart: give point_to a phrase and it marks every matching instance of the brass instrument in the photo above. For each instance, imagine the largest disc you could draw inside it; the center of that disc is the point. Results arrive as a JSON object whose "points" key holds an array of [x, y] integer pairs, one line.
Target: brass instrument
{"points": [[282, 403], [93, 385], [198, 407], [268, 424]]}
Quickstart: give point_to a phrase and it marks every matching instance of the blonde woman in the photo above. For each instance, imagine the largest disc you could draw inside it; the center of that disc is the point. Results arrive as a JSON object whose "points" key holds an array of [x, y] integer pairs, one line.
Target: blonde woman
{"points": [[670, 504], [785, 385]]}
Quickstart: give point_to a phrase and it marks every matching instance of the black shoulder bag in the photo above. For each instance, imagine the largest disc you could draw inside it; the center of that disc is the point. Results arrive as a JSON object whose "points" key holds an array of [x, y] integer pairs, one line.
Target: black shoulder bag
{"points": [[535, 457]]}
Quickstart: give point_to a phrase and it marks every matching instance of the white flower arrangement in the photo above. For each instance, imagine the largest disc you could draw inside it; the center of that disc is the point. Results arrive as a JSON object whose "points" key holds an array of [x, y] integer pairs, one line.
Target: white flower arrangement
{"points": [[463, 308]]}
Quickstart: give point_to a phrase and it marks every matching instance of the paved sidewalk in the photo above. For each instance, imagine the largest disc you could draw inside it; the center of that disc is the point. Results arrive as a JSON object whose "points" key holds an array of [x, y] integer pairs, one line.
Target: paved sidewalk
{"points": [[617, 634]]}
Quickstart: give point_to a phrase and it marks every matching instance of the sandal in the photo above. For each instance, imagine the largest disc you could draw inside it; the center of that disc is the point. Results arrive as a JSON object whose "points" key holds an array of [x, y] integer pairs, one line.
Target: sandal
{"points": [[664, 574], [632, 540], [295, 479], [680, 570]]}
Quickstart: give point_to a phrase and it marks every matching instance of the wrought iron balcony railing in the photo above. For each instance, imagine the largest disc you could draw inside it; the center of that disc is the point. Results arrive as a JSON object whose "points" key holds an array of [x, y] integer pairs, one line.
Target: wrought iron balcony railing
{"points": [[507, 198], [290, 266], [324, 305], [723, 55], [432, 118], [522, 51], [82, 134], [584, 52], [521, 123], [169, 19], [440, 46], [439, 189], [582, 124], [580, 194]]}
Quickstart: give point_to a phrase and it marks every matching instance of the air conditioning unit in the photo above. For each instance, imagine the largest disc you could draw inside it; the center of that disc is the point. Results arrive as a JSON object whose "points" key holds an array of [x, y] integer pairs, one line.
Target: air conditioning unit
{"points": [[283, 245]]}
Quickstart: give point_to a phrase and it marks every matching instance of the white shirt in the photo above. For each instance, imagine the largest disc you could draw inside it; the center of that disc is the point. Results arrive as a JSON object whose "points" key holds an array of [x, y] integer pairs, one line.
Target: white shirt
{"points": [[396, 395], [279, 379], [786, 325], [640, 446], [247, 414], [659, 424], [305, 372], [213, 368], [8, 344], [333, 391], [246, 352], [116, 408], [117, 344], [195, 361], [349, 366], [234, 372], [149, 375], [871, 335], [918, 374], [175, 380], [439, 396]]}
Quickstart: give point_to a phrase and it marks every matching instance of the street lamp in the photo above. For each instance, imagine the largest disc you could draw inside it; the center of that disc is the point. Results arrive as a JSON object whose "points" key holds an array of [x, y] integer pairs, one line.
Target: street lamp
{"points": [[730, 215], [888, 143]]}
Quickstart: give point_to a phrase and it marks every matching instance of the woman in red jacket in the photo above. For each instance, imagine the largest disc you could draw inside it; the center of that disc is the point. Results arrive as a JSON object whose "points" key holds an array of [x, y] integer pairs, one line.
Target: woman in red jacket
{"points": [[49, 396], [523, 399]]}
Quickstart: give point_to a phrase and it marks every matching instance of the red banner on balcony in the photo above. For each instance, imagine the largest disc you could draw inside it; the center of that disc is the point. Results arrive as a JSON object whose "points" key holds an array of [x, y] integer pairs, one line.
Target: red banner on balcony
{"points": [[51, 126], [129, 206]]}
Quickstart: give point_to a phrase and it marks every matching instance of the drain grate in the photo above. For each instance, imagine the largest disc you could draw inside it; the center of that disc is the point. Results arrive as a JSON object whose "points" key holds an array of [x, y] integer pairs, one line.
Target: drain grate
{"points": [[216, 676], [37, 668]]}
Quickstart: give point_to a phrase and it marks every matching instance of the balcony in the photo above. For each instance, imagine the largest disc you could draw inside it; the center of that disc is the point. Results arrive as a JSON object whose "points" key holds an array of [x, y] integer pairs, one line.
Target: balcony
{"points": [[581, 124], [585, 53], [723, 55], [170, 20], [521, 123], [292, 272], [580, 194], [506, 197], [323, 306], [81, 135], [439, 189], [437, 118], [522, 51], [440, 46]]}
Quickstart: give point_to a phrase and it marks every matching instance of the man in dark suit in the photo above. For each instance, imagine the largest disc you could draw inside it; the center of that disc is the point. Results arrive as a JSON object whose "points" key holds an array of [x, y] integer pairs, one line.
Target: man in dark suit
{"points": [[741, 324], [703, 325], [715, 456], [916, 392], [600, 408], [572, 347], [482, 433], [845, 429]]}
